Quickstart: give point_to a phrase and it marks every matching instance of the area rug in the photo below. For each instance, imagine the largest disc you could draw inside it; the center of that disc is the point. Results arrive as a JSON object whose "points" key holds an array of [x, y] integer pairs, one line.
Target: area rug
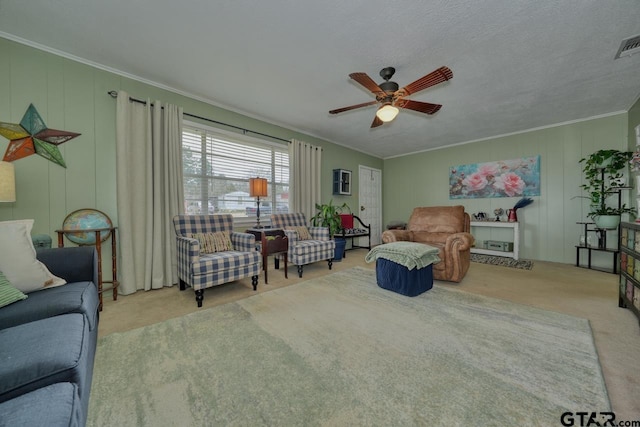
{"points": [[340, 351], [523, 264]]}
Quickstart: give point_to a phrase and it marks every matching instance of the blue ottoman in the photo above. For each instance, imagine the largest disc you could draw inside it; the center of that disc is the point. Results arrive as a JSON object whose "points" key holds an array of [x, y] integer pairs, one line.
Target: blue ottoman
{"points": [[400, 279]]}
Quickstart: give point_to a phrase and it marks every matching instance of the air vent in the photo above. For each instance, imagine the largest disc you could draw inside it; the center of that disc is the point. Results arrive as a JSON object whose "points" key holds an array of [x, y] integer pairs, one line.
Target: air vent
{"points": [[629, 46]]}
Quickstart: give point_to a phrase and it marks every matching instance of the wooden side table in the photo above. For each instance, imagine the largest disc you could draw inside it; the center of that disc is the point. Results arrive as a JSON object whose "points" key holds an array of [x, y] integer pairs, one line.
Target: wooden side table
{"points": [[273, 241], [98, 244]]}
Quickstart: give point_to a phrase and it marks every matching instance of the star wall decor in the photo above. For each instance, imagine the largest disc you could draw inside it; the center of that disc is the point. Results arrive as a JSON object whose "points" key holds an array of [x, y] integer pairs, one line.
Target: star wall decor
{"points": [[31, 136]]}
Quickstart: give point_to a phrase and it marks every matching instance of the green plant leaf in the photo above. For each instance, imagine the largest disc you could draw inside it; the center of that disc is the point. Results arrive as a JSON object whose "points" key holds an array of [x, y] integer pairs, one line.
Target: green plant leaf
{"points": [[600, 170], [328, 215]]}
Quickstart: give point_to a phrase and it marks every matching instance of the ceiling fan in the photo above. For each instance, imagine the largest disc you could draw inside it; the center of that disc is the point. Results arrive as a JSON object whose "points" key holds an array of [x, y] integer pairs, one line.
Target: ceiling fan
{"points": [[391, 98]]}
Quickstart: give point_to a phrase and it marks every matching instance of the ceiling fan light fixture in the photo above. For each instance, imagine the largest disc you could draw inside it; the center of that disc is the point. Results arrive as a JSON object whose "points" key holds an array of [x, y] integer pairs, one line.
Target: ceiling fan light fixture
{"points": [[387, 112], [391, 99]]}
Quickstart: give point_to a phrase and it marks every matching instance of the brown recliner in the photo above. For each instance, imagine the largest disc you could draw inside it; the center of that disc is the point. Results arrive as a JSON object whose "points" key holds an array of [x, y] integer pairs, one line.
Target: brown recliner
{"points": [[446, 228]]}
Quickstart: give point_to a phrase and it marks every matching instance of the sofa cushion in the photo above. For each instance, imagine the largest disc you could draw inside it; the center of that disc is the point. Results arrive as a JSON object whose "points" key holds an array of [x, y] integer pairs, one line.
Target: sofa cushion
{"points": [[220, 262], [78, 297], [9, 294], [312, 247], [18, 258], [45, 352], [56, 405], [73, 263]]}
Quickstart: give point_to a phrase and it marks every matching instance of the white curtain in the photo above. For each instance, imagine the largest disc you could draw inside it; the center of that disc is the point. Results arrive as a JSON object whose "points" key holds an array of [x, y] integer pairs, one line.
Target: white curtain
{"points": [[304, 177], [149, 192]]}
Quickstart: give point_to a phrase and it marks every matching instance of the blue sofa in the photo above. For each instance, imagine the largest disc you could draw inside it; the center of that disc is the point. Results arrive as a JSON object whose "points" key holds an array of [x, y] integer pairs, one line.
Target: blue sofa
{"points": [[48, 343]]}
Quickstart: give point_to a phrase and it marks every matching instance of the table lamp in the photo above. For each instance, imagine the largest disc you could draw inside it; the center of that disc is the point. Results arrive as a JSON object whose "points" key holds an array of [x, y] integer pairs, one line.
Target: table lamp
{"points": [[7, 182], [257, 189]]}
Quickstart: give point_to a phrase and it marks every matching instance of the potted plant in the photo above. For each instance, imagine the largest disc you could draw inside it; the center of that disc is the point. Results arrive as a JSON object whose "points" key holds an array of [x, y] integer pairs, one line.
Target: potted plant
{"points": [[328, 215], [604, 173]]}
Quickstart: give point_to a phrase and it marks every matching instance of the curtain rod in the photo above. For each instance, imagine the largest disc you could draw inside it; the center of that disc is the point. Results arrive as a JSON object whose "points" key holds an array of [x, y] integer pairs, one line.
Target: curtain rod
{"points": [[114, 94]]}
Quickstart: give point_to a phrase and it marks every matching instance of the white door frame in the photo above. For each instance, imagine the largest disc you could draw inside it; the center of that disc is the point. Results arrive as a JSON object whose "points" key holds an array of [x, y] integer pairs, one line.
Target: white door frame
{"points": [[376, 229]]}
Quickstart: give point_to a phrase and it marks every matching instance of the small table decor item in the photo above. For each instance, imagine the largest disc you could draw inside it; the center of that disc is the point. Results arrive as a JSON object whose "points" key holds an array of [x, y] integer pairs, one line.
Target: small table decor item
{"points": [[258, 188], [511, 213]]}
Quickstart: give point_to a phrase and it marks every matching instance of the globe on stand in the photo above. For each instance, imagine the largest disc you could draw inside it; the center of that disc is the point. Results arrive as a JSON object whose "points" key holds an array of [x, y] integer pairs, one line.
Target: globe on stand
{"points": [[86, 219]]}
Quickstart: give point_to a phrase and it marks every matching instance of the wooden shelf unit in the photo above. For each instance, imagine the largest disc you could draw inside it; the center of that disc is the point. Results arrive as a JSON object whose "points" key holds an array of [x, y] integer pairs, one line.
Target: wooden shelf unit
{"points": [[342, 182], [515, 226], [629, 284]]}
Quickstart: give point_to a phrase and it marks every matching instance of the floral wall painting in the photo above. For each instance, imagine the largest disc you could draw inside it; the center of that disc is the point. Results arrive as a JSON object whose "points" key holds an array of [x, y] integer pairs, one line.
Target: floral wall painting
{"points": [[32, 136], [503, 178]]}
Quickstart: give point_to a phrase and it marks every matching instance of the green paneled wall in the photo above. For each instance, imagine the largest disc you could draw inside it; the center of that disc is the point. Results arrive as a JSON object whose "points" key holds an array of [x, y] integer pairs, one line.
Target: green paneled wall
{"points": [[73, 96], [549, 225], [634, 120]]}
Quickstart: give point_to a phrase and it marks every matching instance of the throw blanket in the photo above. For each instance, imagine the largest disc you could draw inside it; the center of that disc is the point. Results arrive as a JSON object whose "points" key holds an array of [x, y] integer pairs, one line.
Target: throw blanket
{"points": [[411, 255]]}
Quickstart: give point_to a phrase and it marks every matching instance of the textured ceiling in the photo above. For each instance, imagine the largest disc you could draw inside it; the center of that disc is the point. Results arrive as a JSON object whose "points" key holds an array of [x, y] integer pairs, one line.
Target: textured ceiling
{"points": [[517, 64]]}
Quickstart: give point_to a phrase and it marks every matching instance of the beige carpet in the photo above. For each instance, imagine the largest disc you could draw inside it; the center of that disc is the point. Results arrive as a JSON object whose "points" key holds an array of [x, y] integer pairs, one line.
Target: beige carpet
{"points": [[339, 350], [551, 286]]}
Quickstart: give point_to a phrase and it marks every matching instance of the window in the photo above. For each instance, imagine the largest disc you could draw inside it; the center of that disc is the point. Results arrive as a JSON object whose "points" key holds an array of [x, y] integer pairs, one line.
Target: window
{"points": [[217, 166]]}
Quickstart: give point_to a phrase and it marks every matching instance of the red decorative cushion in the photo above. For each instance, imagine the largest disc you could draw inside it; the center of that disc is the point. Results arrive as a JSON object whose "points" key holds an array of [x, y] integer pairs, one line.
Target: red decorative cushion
{"points": [[347, 221]]}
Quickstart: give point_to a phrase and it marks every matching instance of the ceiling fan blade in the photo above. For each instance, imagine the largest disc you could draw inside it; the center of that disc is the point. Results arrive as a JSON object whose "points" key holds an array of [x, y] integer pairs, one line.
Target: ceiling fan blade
{"points": [[352, 107], [440, 75], [368, 83], [376, 122], [422, 107]]}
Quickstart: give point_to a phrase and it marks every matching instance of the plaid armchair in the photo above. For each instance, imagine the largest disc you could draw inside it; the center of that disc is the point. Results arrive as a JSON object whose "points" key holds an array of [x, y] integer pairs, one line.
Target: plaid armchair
{"points": [[302, 252], [201, 271]]}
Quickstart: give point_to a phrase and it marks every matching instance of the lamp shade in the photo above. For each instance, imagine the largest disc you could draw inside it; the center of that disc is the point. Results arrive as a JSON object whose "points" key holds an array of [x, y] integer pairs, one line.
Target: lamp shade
{"points": [[257, 187], [7, 182], [387, 112]]}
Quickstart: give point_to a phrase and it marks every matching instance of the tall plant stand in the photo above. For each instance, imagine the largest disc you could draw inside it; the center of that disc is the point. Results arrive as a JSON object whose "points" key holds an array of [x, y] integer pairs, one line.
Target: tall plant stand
{"points": [[601, 233]]}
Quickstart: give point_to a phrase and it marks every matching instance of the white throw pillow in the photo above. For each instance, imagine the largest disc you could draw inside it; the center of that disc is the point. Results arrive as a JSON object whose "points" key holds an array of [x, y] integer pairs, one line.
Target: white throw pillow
{"points": [[18, 258]]}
